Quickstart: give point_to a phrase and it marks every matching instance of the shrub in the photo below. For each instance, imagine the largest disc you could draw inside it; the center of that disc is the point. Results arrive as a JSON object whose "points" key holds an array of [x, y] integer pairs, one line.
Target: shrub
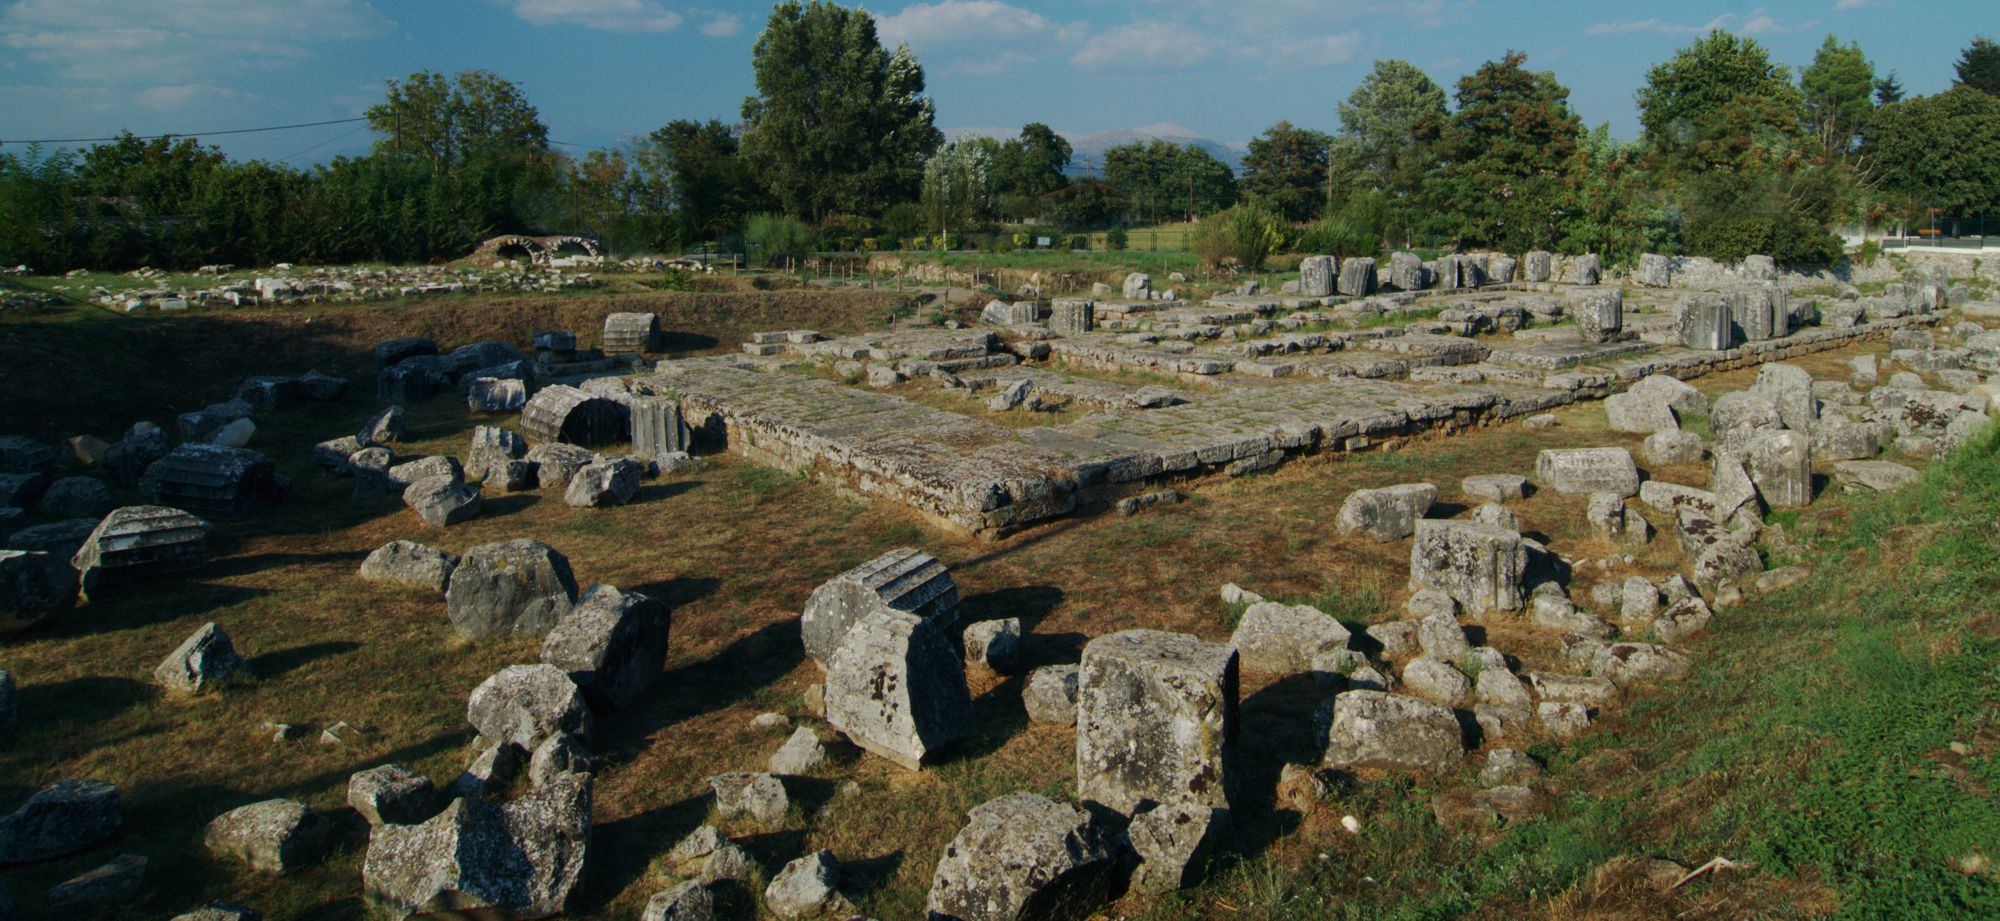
{"points": [[1335, 236], [1241, 236], [1114, 239], [777, 235]]}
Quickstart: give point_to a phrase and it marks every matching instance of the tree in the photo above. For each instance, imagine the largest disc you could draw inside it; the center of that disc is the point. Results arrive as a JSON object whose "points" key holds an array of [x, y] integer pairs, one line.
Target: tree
{"points": [[838, 123], [1505, 152], [1979, 66], [1385, 118], [1936, 151], [1031, 165], [1685, 100], [1888, 90], [1287, 167], [1836, 87], [958, 184], [448, 121], [712, 187]]}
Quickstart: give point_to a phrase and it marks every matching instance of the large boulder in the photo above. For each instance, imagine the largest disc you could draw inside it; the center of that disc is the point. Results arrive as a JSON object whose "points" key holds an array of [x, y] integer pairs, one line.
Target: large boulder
{"points": [[1316, 276], [903, 579], [411, 564], [606, 481], [1639, 413], [442, 501], [1679, 395], [1790, 390], [60, 819], [613, 644], [1155, 720], [805, 888], [1780, 464], [1599, 312], [1373, 729], [1050, 695], [77, 497], [1389, 513], [392, 794], [203, 661], [519, 860], [1285, 639], [519, 587], [896, 687], [34, 587], [276, 836], [213, 476], [1582, 471], [527, 704], [1020, 857], [1479, 566], [1174, 844]]}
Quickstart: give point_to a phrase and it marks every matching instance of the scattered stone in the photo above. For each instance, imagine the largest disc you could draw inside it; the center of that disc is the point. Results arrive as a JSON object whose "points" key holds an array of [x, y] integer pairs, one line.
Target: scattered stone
{"points": [[1582, 471], [77, 497], [276, 836], [1640, 413], [994, 644], [897, 688], [34, 587], [203, 661], [805, 888], [491, 450], [436, 465], [517, 587], [1509, 766], [608, 481], [1020, 857], [1156, 720], [688, 901], [555, 464], [613, 645], [213, 476], [758, 797], [800, 754], [1877, 476], [1283, 639], [119, 881], [1373, 729], [1678, 395], [521, 859], [1599, 312], [1495, 487], [1669, 447], [901, 580], [1563, 721], [1790, 390], [1480, 567], [1684, 619], [1175, 843], [384, 428], [408, 563], [1385, 514], [559, 754], [1780, 464], [526, 704], [1435, 680], [442, 501], [1050, 695], [392, 794]]}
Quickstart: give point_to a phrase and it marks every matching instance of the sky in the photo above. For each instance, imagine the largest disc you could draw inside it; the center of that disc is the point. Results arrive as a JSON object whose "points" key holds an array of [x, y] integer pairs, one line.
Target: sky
{"points": [[604, 71]]}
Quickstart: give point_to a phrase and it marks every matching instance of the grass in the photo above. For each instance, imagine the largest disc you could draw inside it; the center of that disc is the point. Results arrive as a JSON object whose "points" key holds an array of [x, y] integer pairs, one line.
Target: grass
{"points": [[1815, 739]]}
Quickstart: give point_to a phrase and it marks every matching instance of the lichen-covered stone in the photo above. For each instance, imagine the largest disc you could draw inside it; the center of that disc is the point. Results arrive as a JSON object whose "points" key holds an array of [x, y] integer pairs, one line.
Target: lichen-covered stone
{"points": [[1582, 471], [526, 704], [1156, 720], [277, 836], [203, 661], [1389, 513], [520, 860], [518, 587], [1372, 729], [411, 564], [613, 644], [1283, 639], [896, 688], [1479, 566], [1022, 857], [903, 579]]}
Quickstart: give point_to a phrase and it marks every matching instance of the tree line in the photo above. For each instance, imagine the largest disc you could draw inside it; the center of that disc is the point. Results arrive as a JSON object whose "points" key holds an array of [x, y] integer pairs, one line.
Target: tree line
{"points": [[839, 149]]}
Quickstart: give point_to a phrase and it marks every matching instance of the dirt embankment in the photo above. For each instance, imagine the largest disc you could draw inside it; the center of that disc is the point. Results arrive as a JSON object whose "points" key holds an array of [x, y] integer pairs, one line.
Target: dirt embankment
{"points": [[86, 370]]}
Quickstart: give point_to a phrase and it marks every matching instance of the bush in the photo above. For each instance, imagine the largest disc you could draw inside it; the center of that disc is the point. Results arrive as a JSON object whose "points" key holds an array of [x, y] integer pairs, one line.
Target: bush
{"points": [[1870, 251], [1079, 241], [1335, 236], [775, 235], [1114, 239], [1241, 236]]}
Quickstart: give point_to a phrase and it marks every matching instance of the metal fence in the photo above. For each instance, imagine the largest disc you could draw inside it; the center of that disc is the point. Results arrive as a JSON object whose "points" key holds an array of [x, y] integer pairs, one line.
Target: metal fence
{"points": [[1949, 233]]}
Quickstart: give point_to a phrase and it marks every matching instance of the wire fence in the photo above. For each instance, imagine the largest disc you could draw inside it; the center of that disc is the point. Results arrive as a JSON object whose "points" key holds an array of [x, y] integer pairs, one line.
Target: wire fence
{"points": [[1941, 232]]}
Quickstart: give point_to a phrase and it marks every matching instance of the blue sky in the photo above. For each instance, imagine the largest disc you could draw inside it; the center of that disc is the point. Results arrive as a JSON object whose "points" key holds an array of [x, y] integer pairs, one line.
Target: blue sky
{"points": [[601, 71]]}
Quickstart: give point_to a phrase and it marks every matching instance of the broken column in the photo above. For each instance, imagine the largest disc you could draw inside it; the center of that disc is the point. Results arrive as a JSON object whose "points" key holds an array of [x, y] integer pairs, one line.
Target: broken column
{"points": [[1022, 856], [657, 427], [1155, 720], [1071, 316], [1406, 271], [566, 414], [140, 541], [1357, 277], [1703, 321], [1655, 271], [630, 333], [1761, 313], [896, 688], [1599, 312], [213, 476], [1537, 266], [903, 579], [1316, 276]]}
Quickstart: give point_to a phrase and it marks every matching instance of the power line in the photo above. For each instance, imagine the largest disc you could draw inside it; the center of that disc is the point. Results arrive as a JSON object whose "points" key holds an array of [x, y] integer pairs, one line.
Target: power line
{"points": [[191, 134], [319, 145]]}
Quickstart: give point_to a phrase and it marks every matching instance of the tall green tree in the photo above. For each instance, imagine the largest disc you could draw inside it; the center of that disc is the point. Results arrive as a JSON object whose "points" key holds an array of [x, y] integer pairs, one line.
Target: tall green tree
{"points": [[1888, 90], [1979, 66], [958, 184], [839, 124], [711, 186], [1032, 164], [1707, 88], [1387, 119], [1287, 168], [1505, 152], [1837, 87], [447, 121], [1937, 151]]}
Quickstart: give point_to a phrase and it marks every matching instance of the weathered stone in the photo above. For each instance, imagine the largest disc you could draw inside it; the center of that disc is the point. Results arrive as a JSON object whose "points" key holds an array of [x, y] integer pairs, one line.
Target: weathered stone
{"points": [[1138, 287], [1175, 842], [128, 460], [1670, 447], [1780, 464], [1585, 690], [436, 465], [492, 447], [608, 481], [60, 819], [1020, 857], [519, 860], [34, 587], [1406, 271], [759, 798], [800, 754], [630, 333], [203, 661], [555, 464], [1316, 276], [559, 754], [491, 772], [1703, 321], [221, 911], [1069, 316], [1679, 396], [1557, 612], [805, 888], [116, 883], [442, 501], [1497, 686], [1639, 413], [1435, 680], [20, 454], [897, 688], [688, 901], [1050, 694], [1480, 567], [1790, 390], [657, 427], [392, 352], [526, 704], [1500, 268], [1373, 729], [1654, 271], [561, 413], [1156, 720], [385, 427], [994, 644], [518, 587], [1357, 276], [77, 497], [213, 476], [1685, 618], [1390, 513], [612, 644], [1537, 266], [1599, 312], [1562, 721], [899, 580], [1497, 487], [1634, 664], [1283, 639], [1866, 476], [1587, 269], [392, 794], [1582, 471], [276, 836], [408, 563]]}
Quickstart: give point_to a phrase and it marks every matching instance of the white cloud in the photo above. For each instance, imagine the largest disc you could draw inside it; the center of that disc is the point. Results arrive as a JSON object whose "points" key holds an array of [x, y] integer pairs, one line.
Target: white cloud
{"points": [[1762, 22], [722, 25], [167, 98], [1318, 51], [977, 37], [126, 42], [608, 15], [1140, 46], [1842, 6], [1656, 24]]}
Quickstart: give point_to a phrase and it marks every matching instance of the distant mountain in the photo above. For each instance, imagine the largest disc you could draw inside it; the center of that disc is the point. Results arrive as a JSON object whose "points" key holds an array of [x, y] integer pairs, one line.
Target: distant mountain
{"points": [[1087, 150]]}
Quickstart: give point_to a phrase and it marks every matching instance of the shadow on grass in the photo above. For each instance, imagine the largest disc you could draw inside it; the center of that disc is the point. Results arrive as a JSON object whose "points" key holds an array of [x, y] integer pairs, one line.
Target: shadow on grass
{"points": [[1274, 728], [735, 673], [88, 700], [621, 851], [282, 661]]}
